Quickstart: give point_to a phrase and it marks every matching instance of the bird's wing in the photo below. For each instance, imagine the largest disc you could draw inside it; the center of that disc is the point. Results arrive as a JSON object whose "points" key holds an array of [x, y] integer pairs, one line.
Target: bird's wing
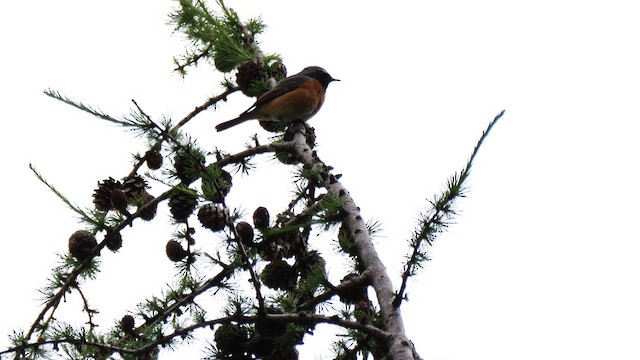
{"points": [[287, 85]]}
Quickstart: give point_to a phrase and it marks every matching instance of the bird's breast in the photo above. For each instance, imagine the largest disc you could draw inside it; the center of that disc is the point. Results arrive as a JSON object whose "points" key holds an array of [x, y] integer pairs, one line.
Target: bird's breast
{"points": [[297, 105]]}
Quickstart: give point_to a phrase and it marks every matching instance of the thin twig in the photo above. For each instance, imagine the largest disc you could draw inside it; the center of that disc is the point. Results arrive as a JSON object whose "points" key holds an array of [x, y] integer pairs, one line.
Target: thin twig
{"points": [[87, 309], [357, 281], [261, 149], [434, 223], [206, 105], [216, 280], [53, 303]]}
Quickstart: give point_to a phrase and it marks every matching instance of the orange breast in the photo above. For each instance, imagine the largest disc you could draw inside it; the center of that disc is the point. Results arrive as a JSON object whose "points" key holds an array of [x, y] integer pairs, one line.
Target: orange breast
{"points": [[297, 105]]}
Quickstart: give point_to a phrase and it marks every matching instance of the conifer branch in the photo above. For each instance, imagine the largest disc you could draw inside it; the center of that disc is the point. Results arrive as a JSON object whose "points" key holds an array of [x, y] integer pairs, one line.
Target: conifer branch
{"points": [[438, 218], [68, 280], [358, 281], [86, 108], [319, 199], [397, 343], [83, 215], [191, 58], [248, 265], [87, 309], [239, 157], [214, 281], [211, 102], [64, 282], [299, 318]]}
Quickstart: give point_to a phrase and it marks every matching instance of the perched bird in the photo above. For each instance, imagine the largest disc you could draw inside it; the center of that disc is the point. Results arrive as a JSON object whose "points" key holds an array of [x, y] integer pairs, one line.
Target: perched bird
{"points": [[296, 98]]}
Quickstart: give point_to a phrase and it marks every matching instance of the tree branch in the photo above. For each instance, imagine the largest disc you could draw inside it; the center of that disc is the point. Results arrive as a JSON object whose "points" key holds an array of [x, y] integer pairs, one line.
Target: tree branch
{"points": [[438, 218], [212, 101], [400, 347]]}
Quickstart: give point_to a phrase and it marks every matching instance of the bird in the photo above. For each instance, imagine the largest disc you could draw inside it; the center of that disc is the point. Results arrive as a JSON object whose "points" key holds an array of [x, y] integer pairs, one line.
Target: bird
{"points": [[295, 98]]}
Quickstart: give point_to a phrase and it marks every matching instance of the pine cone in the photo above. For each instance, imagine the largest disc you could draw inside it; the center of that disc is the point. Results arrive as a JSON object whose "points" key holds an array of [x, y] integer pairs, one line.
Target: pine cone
{"points": [[363, 312], [114, 240], [81, 243], [292, 244], [150, 212], [225, 58], [134, 186], [231, 339], [182, 205], [212, 217], [260, 346], [354, 294], [279, 275], [118, 199], [249, 73], [175, 251], [188, 164], [277, 70], [127, 323], [267, 250], [306, 263], [102, 195], [261, 218], [215, 189], [154, 159], [270, 329], [245, 231]]}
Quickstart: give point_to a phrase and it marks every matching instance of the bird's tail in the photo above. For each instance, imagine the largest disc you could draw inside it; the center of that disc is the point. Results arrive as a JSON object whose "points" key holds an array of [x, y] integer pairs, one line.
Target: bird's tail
{"points": [[233, 122]]}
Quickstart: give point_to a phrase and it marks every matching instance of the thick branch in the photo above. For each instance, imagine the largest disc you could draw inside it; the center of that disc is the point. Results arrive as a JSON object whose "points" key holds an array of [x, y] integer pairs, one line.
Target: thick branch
{"points": [[400, 347], [299, 318]]}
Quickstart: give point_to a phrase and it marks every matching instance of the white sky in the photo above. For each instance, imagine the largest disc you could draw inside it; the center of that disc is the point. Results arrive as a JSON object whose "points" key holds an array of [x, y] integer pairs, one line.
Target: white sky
{"points": [[542, 262]]}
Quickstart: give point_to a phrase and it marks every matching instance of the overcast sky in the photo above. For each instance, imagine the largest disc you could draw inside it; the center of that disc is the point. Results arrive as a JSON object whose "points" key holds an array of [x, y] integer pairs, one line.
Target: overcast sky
{"points": [[542, 262]]}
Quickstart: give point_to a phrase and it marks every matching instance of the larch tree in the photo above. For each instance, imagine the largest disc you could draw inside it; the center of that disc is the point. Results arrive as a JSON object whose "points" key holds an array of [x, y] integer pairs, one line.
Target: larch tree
{"points": [[268, 270]]}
